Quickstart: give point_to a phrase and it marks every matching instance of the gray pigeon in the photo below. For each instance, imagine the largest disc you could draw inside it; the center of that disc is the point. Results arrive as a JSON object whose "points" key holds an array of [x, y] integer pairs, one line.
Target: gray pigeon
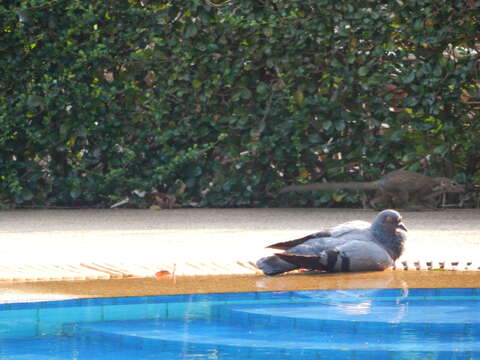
{"points": [[351, 246]]}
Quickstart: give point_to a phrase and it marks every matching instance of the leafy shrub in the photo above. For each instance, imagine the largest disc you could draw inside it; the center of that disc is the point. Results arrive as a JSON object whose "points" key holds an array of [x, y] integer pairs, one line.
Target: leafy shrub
{"points": [[223, 106]]}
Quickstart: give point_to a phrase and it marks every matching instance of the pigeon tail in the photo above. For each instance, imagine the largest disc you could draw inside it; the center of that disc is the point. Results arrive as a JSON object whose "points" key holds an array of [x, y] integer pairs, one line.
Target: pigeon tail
{"points": [[273, 265]]}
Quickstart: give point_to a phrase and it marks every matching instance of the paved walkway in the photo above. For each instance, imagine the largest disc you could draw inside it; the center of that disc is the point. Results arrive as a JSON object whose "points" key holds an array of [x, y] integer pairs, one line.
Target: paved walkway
{"points": [[38, 245]]}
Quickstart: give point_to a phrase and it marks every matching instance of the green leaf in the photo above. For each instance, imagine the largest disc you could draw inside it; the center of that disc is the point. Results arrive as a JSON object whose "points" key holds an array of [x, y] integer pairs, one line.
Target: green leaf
{"points": [[337, 197], [299, 97], [246, 94], [362, 71], [314, 138], [340, 125], [35, 101], [27, 195], [336, 64], [327, 124], [193, 171], [409, 78], [196, 84], [268, 31], [440, 149], [75, 192], [262, 88], [190, 30]]}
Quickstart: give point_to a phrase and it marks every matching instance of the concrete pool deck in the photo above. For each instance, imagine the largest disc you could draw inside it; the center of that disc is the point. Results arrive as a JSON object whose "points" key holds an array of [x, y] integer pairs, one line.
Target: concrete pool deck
{"points": [[54, 254]]}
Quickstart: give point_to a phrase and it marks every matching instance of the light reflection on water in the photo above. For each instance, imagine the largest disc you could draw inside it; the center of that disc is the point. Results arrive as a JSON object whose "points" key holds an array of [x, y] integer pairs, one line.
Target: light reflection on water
{"points": [[361, 308]]}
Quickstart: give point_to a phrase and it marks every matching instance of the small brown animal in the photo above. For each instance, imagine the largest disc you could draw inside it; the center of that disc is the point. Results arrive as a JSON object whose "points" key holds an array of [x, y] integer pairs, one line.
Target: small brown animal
{"points": [[395, 189], [164, 201]]}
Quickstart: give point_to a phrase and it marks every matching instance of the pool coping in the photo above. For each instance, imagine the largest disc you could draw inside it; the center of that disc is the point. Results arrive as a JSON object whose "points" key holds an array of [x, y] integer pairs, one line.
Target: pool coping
{"points": [[204, 284]]}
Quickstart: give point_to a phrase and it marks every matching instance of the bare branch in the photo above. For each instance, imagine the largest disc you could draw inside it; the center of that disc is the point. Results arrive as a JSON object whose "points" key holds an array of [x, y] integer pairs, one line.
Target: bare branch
{"points": [[226, 3]]}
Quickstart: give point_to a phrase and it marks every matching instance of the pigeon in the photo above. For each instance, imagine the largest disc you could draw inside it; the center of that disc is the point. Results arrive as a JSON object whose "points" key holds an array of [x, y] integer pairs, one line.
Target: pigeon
{"points": [[351, 246]]}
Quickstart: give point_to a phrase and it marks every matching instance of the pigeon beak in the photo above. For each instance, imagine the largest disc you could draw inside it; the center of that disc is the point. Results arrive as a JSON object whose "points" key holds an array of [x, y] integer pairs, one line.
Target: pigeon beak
{"points": [[400, 225]]}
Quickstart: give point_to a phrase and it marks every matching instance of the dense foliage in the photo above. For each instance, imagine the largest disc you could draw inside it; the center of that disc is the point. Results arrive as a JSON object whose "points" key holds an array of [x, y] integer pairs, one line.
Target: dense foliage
{"points": [[224, 105]]}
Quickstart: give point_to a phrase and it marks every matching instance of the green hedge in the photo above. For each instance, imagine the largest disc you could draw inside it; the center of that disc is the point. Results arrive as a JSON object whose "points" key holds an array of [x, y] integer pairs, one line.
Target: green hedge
{"points": [[224, 105]]}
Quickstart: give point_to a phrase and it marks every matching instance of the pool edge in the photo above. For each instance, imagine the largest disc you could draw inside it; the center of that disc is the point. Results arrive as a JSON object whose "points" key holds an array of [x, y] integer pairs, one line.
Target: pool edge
{"points": [[202, 284]]}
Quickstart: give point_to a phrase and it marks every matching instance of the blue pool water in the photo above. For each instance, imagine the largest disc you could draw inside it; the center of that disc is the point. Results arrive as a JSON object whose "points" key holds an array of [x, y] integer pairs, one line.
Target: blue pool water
{"points": [[350, 324]]}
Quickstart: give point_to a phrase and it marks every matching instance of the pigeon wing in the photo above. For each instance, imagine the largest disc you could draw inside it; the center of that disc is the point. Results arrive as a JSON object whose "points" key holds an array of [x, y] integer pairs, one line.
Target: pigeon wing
{"points": [[326, 260], [348, 227], [359, 255], [317, 245], [311, 262], [337, 232], [285, 245]]}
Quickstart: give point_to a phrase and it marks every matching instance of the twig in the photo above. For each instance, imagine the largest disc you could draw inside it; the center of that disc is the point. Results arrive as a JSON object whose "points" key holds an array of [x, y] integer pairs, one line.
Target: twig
{"points": [[226, 3]]}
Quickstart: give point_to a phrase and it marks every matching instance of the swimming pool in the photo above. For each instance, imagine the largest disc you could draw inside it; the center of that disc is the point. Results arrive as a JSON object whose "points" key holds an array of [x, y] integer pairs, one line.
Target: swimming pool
{"points": [[350, 324]]}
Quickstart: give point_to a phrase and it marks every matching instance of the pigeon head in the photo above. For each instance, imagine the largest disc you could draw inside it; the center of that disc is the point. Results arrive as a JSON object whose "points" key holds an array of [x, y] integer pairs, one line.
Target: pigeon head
{"points": [[389, 221]]}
